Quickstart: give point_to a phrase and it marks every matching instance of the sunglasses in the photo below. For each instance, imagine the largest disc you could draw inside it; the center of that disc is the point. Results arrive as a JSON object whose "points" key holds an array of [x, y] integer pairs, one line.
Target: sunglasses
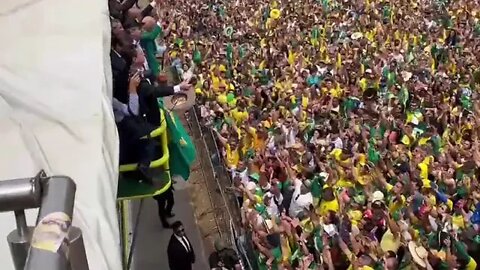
{"points": [[180, 230]]}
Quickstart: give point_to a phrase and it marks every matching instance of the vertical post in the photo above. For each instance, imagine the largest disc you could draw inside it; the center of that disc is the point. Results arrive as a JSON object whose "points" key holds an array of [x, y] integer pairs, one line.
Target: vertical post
{"points": [[124, 225], [21, 221], [77, 254], [19, 240], [49, 249]]}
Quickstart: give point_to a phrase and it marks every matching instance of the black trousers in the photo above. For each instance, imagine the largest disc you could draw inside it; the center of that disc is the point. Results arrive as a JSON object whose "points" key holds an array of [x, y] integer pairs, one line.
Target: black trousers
{"points": [[133, 149], [165, 202]]}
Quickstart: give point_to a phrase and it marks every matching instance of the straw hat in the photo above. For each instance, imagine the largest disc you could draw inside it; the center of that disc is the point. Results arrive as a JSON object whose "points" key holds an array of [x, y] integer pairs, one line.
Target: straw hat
{"points": [[356, 35], [419, 253]]}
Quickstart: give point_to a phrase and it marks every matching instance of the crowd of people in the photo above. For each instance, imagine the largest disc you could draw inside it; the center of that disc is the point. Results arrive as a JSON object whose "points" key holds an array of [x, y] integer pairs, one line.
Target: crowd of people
{"points": [[351, 128]]}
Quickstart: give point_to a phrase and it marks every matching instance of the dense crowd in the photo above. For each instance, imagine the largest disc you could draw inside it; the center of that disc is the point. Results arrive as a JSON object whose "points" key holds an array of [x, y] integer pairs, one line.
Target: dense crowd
{"points": [[351, 128]]}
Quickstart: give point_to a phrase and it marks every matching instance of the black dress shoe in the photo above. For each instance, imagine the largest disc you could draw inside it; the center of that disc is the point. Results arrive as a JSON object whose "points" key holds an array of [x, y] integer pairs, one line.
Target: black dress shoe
{"points": [[145, 174]]}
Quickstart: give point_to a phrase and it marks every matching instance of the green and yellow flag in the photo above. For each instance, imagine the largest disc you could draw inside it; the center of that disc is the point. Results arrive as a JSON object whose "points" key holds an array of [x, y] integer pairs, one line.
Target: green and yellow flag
{"points": [[181, 147]]}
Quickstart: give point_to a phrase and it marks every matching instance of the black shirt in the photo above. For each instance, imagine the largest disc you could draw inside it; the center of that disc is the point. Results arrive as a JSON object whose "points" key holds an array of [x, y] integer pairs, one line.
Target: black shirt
{"points": [[228, 257]]}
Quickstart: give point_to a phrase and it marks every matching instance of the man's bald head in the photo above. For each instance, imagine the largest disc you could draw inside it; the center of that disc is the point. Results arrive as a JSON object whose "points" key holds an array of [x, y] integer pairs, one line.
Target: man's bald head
{"points": [[148, 23]]}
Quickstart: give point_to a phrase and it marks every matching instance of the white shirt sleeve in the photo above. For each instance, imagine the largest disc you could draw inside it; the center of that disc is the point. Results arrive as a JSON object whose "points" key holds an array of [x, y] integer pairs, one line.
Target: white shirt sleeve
{"points": [[177, 89]]}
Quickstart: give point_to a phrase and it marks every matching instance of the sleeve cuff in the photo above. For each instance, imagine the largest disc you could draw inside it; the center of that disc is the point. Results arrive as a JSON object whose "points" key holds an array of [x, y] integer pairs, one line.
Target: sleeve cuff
{"points": [[176, 89]]}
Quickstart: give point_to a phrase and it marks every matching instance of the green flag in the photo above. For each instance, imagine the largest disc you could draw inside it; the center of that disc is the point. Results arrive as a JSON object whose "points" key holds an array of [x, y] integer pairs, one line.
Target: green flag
{"points": [[229, 53], [314, 35], [241, 52], [181, 148], [403, 96], [197, 57], [372, 154], [476, 29]]}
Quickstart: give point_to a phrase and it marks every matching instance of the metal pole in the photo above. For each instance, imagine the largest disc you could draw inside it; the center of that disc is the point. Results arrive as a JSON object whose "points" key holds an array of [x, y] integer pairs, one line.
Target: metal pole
{"points": [[20, 194], [48, 249], [21, 221], [19, 240], [134, 236], [77, 255]]}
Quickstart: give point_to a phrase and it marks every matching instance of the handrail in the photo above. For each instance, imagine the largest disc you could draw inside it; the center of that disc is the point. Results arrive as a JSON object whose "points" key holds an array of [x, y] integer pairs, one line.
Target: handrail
{"points": [[123, 202], [53, 243], [161, 131]]}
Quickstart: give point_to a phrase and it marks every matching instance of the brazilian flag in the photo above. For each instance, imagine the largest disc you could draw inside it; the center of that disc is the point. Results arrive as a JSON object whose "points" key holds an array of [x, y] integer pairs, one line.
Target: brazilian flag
{"points": [[180, 145]]}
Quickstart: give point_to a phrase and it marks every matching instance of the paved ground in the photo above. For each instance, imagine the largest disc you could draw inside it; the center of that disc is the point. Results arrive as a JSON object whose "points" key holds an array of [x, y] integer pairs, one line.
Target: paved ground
{"points": [[152, 238]]}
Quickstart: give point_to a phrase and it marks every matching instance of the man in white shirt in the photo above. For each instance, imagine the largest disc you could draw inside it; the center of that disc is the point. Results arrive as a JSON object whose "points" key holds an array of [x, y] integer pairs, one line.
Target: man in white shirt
{"points": [[272, 208], [301, 199]]}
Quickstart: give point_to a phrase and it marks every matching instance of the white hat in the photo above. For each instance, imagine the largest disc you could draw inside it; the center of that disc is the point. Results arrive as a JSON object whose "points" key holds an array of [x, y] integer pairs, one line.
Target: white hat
{"points": [[419, 253], [268, 194], [378, 196], [356, 35], [406, 75], [251, 185]]}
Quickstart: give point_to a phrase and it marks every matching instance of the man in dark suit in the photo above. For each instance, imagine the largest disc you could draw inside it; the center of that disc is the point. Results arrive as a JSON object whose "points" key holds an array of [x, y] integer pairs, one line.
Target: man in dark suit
{"points": [[165, 202], [127, 61], [180, 251]]}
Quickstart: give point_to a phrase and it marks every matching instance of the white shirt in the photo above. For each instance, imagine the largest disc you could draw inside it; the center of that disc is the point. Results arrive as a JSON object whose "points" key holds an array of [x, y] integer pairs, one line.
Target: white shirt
{"points": [[272, 210], [299, 201], [136, 43], [184, 242], [242, 175], [338, 143]]}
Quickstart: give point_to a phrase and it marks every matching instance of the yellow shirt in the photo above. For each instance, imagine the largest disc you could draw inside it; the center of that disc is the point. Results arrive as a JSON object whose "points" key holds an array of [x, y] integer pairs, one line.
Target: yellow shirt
{"points": [[239, 116], [232, 156], [472, 264], [355, 216], [363, 84], [337, 153], [325, 207], [458, 221], [423, 166], [217, 82], [362, 178], [394, 205], [249, 139], [304, 101]]}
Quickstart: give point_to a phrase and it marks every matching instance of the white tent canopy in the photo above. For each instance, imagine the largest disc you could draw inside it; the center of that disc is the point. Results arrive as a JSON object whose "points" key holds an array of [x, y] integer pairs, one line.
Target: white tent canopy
{"points": [[55, 113]]}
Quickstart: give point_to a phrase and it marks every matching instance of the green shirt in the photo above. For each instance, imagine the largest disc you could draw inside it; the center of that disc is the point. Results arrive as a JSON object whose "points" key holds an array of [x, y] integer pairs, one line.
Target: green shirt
{"points": [[148, 43]]}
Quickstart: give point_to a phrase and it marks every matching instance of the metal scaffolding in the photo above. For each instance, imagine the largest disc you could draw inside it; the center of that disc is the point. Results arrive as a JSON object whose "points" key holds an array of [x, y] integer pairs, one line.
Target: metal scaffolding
{"points": [[53, 243]]}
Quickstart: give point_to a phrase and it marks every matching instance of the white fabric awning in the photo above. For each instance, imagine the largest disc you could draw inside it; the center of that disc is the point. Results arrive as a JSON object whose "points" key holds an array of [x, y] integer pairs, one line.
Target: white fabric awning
{"points": [[55, 113]]}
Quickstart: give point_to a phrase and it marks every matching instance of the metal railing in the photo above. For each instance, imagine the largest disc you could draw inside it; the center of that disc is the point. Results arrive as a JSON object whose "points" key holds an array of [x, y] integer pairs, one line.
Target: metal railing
{"points": [[53, 244], [227, 209], [229, 221]]}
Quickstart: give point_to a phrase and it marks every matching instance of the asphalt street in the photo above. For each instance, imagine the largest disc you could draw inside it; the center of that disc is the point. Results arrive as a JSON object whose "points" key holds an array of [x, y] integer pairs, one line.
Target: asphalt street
{"points": [[150, 252]]}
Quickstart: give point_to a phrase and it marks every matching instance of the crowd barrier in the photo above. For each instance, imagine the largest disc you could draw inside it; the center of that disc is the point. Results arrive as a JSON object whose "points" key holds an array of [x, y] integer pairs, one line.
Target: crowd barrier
{"points": [[217, 178], [228, 214]]}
